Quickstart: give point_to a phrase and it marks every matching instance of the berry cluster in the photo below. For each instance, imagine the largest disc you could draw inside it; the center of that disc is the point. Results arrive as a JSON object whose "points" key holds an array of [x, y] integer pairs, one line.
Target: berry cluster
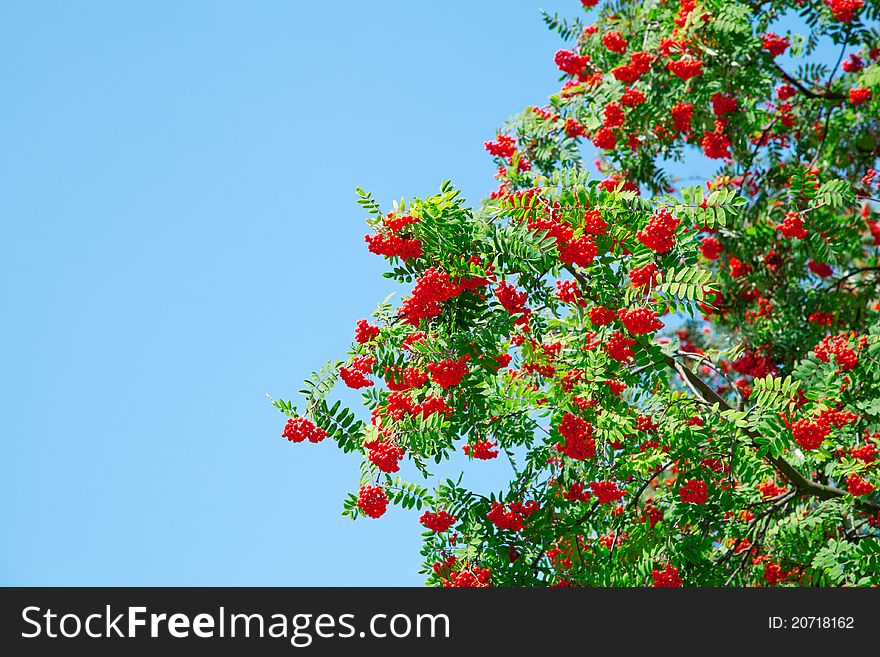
{"points": [[774, 44], [710, 248], [437, 522], [838, 346], [570, 62], [694, 491], [722, 104], [578, 434], [512, 300], [659, 234], [639, 64], [448, 372], [666, 578], [431, 290], [646, 276], [504, 146], [685, 69], [859, 95], [682, 115], [792, 226], [600, 316], [481, 449], [640, 321], [513, 517], [298, 429], [372, 500], [365, 332], [844, 10], [580, 251], [355, 375], [858, 486], [809, 434], [391, 246], [614, 41], [384, 455], [606, 492], [618, 347]]}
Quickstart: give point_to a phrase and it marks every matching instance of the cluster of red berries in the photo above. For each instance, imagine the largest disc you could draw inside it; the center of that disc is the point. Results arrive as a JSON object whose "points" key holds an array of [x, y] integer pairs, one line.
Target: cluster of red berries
{"points": [[614, 41], [438, 522], [666, 578], [754, 363], [431, 290], [632, 97], [639, 63], [859, 95], [619, 347], [410, 378], [640, 321], [716, 144], [600, 316], [737, 267], [858, 486], [645, 423], [372, 500], [568, 292], [570, 62], [384, 455], [774, 44], [594, 224], [769, 489], [646, 276], [606, 492], [616, 387], [722, 104], [512, 300], [659, 233], [694, 491], [820, 318], [475, 578], [481, 449], [504, 146], [710, 248], [844, 10], [838, 346], [580, 251], [298, 429], [613, 116], [865, 453], [578, 434], [449, 372], [364, 332], [685, 69], [604, 138], [574, 129], [809, 434], [513, 516], [355, 375], [682, 115], [793, 226], [400, 405], [391, 245]]}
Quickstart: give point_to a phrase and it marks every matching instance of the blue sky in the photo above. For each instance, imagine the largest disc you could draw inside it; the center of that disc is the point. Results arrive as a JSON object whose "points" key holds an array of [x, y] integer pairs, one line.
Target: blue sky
{"points": [[180, 238]]}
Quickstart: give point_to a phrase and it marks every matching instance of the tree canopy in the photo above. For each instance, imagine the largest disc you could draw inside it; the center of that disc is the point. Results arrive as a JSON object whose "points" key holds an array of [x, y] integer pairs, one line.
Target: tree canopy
{"points": [[685, 380]]}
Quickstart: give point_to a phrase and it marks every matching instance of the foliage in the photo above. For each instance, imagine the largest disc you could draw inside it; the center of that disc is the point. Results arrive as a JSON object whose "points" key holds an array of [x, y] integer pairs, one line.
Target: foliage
{"points": [[733, 443]]}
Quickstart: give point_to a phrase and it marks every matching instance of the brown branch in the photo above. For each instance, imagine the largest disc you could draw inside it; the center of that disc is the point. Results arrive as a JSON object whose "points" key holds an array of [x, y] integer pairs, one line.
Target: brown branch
{"points": [[803, 484]]}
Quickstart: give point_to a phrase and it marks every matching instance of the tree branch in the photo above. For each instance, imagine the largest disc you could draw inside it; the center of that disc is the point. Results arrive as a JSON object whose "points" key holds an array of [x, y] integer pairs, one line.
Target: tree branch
{"points": [[804, 485]]}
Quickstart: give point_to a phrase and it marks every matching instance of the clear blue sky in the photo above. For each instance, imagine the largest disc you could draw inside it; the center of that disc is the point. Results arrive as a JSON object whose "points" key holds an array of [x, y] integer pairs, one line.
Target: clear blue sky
{"points": [[180, 238]]}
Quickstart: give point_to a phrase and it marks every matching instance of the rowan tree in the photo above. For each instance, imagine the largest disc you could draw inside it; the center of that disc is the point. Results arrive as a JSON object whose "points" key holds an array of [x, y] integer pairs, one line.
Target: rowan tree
{"points": [[685, 381]]}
